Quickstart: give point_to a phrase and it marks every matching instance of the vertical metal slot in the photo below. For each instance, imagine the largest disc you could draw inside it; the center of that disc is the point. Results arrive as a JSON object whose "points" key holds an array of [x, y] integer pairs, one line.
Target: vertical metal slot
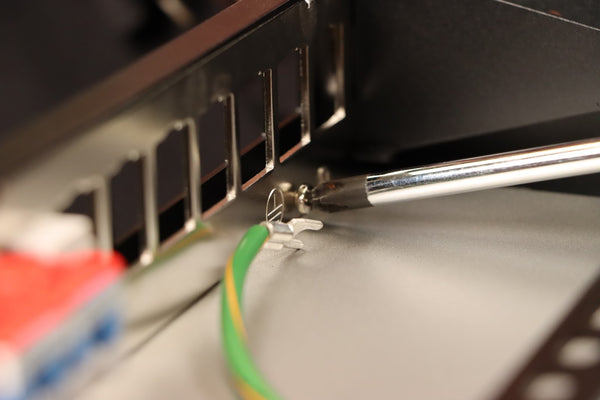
{"points": [[212, 131], [95, 204], [103, 214], [172, 183], [128, 219], [329, 94], [255, 160], [293, 105], [193, 174], [233, 153]]}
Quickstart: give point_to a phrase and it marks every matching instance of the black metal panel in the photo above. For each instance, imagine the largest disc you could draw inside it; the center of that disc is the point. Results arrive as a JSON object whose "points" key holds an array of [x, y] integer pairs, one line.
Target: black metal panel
{"points": [[585, 12], [432, 70]]}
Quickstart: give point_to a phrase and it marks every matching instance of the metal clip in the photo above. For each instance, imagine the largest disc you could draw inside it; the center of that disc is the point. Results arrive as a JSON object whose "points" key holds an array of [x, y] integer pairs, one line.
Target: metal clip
{"points": [[284, 234]]}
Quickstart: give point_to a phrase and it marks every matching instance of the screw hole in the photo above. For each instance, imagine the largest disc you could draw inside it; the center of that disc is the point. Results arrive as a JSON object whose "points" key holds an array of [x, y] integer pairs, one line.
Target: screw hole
{"points": [[580, 352], [551, 386], [595, 320]]}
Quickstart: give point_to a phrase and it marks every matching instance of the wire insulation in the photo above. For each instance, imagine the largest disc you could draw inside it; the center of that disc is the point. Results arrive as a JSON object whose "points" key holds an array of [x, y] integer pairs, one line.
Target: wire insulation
{"points": [[249, 383]]}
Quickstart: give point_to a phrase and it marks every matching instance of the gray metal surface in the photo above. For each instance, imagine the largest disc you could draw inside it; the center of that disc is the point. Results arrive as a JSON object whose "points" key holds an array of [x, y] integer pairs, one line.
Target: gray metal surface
{"points": [[438, 70], [440, 298], [568, 362]]}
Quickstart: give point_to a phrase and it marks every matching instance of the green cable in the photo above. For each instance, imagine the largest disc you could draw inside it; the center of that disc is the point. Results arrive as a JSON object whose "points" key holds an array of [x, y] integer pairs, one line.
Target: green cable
{"points": [[250, 384]]}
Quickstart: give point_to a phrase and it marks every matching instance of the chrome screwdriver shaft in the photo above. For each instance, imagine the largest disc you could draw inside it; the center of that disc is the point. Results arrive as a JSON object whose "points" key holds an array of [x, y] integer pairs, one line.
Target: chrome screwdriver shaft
{"points": [[468, 175]]}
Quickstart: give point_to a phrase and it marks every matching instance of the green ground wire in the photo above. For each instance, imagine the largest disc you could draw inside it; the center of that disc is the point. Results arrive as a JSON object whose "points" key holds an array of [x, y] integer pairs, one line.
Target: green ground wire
{"points": [[234, 342]]}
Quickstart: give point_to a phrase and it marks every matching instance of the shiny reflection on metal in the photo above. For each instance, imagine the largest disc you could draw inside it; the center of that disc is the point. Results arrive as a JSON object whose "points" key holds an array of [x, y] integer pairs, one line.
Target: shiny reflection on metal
{"points": [[336, 84], [103, 214], [193, 174], [275, 206], [305, 122], [323, 174], [305, 108], [269, 110], [234, 174], [268, 128], [303, 199], [337, 31], [507, 169], [149, 177], [178, 12], [284, 234]]}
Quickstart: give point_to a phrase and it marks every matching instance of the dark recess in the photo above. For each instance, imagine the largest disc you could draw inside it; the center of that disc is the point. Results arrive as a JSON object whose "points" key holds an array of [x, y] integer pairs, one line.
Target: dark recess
{"points": [[172, 182], [214, 190], [288, 103], [82, 204], [171, 220], [253, 162], [290, 134], [128, 210], [250, 107], [212, 130]]}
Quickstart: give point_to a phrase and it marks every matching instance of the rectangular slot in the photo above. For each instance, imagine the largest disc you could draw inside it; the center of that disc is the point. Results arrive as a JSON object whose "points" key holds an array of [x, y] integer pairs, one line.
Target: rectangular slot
{"points": [[292, 103], [290, 137], [214, 192], [253, 165], [288, 87], [130, 247], [83, 204], [172, 219], [172, 183], [250, 106], [212, 140], [329, 93], [127, 203]]}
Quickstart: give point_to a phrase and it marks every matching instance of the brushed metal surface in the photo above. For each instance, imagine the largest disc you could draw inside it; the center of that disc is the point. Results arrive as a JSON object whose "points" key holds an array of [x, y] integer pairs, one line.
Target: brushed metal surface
{"points": [[440, 298]]}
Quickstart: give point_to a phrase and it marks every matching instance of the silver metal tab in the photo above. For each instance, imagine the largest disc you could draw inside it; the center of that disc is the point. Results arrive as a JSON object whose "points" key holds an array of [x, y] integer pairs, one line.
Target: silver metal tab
{"points": [[284, 234]]}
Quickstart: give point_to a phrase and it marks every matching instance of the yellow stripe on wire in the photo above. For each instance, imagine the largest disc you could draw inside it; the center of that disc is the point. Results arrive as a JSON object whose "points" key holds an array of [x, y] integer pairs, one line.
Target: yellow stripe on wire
{"points": [[232, 299], [248, 382], [247, 392]]}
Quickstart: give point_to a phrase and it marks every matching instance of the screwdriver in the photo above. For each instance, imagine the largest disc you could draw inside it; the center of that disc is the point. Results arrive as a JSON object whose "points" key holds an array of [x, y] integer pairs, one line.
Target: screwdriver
{"points": [[460, 176]]}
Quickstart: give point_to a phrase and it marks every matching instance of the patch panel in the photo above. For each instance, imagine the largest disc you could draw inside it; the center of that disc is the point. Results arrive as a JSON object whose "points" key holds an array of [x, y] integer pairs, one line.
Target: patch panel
{"points": [[165, 152]]}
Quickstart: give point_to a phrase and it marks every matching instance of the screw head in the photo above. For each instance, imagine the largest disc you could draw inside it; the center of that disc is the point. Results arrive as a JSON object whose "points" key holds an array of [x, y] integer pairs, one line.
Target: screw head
{"points": [[303, 199]]}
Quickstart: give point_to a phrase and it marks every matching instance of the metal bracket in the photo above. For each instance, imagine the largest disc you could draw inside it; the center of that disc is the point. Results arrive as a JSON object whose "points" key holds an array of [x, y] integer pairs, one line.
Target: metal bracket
{"points": [[284, 234]]}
